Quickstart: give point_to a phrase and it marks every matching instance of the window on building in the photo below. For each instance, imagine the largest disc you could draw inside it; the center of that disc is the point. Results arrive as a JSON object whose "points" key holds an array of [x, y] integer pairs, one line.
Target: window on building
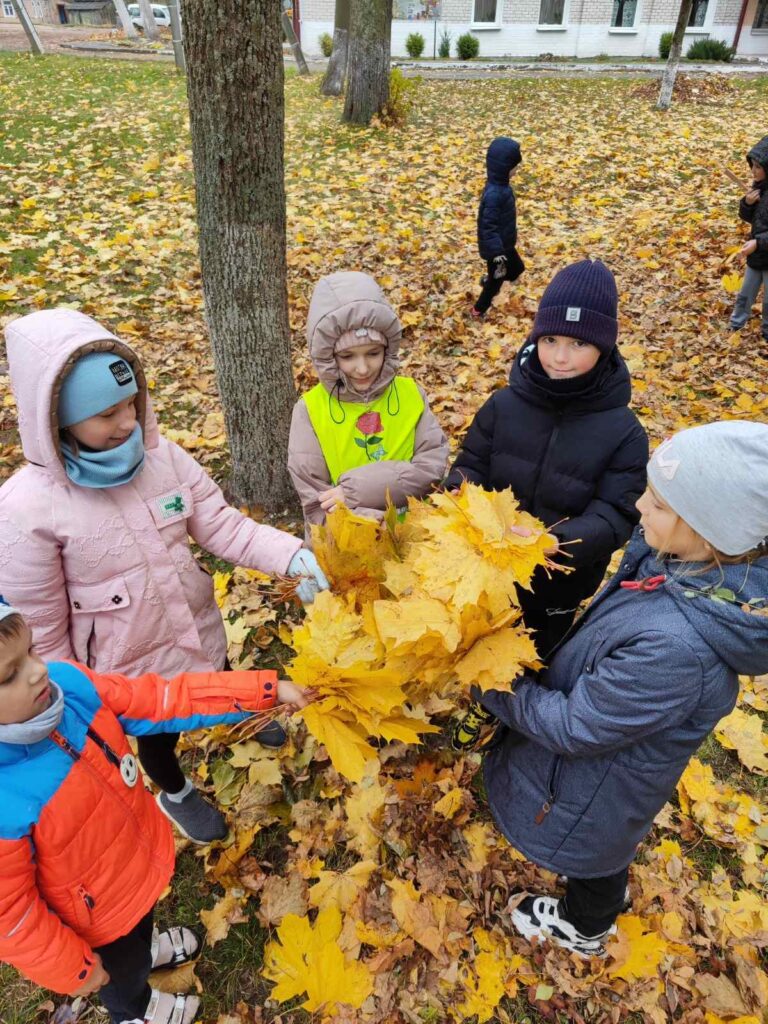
{"points": [[8, 10], [38, 10], [698, 13], [624, 12], [551, 12], [761, 15], [485, 12]]}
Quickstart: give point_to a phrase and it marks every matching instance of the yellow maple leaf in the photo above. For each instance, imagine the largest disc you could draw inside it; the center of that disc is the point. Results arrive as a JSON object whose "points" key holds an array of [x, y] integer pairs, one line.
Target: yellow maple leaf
{"points": [[495, 660], [341, 888], [638, 952], [306, 959], [449, 804], [220, 918], [731, 282], [743, 733], [483, 986]]}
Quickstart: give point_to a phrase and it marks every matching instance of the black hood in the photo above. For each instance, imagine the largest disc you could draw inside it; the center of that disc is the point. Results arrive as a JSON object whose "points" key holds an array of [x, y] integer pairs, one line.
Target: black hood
{"points": [[503, 155], [759, 153], [607, 386]]}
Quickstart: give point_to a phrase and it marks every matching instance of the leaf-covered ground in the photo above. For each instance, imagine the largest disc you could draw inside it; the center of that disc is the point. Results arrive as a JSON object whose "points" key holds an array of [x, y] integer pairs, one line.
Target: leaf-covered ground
{"points": [[97, 210]]}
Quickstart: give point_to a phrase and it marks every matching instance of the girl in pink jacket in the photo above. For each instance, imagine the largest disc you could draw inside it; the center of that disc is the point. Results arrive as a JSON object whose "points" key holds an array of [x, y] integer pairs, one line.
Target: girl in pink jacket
{"points": [[94, 531], [364, 436]]}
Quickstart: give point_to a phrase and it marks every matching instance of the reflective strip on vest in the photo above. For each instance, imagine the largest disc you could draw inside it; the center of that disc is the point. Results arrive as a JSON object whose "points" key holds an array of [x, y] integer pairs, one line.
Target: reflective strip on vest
{"points": [[352, 434]]}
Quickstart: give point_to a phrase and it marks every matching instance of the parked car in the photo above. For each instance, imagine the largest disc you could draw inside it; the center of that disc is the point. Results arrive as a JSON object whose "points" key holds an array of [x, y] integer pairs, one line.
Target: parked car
{"points": [[160, 11]]}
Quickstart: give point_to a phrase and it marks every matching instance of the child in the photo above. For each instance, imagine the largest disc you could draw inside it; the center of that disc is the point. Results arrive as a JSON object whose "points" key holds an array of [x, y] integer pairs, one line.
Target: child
{"points": [[84, 852], [561, 436], [497, 223], [363, 436], [594, 748], [94, 531], [753, 208]]}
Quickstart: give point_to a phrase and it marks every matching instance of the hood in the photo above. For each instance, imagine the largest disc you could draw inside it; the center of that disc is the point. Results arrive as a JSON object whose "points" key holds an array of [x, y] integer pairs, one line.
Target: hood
{"points": [[343, 302], [503, 155], [42, 348], [759, 153], [607, 386], [713, 602]]}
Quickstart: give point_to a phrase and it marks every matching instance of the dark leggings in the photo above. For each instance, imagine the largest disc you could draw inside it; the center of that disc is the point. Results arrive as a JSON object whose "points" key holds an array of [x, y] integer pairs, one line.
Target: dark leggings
{"points": [[157, 754], [593, 904], [492, 286], [128, 961]]}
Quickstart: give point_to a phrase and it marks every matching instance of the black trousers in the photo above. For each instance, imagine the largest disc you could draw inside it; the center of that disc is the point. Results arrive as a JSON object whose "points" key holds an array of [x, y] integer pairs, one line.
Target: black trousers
{"points": [[128, 961], [548, 629], [492, 286], [593, 904]]}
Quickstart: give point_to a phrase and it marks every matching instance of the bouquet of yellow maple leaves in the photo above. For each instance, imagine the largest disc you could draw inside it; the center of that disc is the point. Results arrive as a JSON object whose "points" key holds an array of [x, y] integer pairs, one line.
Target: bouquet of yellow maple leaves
{"points": [[419, 610]]}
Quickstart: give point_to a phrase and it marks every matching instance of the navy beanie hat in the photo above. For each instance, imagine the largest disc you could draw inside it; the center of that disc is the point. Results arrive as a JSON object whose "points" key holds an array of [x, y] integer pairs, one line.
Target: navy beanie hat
{"points": [[581, 301], [96, 382]]}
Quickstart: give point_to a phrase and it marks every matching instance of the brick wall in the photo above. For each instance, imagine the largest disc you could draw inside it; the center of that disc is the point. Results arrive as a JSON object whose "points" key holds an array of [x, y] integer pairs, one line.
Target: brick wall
{"points": [[727, 12]]}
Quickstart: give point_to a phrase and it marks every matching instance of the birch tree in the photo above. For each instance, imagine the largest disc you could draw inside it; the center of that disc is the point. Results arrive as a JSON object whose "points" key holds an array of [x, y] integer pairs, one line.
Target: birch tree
{"points": [[673, 61]]}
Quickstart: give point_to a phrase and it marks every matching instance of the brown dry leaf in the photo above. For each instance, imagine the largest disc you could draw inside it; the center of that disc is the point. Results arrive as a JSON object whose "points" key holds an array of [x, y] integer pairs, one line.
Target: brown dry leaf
{"points": [[281, 896]]}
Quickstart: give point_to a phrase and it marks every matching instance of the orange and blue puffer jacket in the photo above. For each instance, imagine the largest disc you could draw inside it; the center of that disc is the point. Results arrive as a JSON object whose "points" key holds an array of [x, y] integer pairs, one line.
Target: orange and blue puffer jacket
{"points": [[84, 850]]}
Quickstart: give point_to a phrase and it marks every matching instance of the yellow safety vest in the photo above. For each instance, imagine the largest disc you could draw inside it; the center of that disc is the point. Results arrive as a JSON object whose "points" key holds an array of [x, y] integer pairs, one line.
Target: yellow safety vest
{"points": [[352, 434]]}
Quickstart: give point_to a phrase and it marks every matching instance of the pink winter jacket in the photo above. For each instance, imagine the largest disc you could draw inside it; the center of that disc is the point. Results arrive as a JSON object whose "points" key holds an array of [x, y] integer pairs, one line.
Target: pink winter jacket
{"points": [[341, 304], [106, 577]]}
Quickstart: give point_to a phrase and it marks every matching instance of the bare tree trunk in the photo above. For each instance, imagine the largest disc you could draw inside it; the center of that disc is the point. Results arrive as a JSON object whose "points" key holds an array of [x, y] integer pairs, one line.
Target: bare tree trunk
{"points": [[149, 25], [370, 32], [236, 108], [174, 10], [336, 72], [673, 61], [294, 44], [30, 31], [128, 27]]}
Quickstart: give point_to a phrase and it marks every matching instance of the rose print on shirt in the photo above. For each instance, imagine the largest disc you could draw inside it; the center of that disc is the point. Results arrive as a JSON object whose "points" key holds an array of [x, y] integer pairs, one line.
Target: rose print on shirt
{"points": [[370, 425]]}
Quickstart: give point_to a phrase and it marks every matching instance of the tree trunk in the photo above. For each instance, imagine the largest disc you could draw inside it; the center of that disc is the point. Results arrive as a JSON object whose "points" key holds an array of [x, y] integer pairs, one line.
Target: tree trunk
{"points": [[370, 30], [294, 44], [128, 27], [336, 72], [673, 61], [148, 23], [236, 106], [174, 10], [30, 31]]}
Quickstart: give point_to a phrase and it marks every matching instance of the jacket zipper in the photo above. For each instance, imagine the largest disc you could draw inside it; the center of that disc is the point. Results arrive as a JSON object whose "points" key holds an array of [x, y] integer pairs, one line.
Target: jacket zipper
{"points": [[66, 746], [86, 897], [542, 464], [554, 779]]}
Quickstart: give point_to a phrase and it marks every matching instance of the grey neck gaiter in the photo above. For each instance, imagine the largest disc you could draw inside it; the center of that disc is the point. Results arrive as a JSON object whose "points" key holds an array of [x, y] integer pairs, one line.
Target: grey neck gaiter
{"points": [[38, 728]]}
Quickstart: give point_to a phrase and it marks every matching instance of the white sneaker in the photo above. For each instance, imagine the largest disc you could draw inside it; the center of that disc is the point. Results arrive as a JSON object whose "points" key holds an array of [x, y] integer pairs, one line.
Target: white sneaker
{"points": [[540, 917], [165, 1008]]}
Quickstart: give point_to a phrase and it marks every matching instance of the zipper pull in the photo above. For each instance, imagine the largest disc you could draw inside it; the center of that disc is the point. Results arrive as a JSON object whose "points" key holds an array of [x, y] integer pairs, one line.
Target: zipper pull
{"points": [[545, 809], [86, 897]]}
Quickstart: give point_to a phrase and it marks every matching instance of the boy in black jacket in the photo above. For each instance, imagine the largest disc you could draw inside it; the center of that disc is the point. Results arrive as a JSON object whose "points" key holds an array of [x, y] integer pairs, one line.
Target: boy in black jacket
{"points": [[753, 208], [562, 437], [497, 223]]}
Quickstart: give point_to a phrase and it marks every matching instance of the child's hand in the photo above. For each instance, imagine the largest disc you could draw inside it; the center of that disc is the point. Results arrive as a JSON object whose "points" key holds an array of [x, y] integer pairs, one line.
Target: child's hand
{"points": [[752, 196], [290, 693], [748, 248], [524, 531], [305, 565], [331, 498], [98, 979]]}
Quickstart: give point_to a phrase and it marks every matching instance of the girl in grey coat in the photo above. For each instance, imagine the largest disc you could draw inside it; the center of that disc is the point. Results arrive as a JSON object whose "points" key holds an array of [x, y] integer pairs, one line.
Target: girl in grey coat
{"points": [[591, 750]]}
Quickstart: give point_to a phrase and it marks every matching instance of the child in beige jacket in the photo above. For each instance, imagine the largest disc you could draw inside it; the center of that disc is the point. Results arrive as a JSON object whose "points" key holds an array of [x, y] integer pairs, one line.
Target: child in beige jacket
{"points": [[364, 435]]}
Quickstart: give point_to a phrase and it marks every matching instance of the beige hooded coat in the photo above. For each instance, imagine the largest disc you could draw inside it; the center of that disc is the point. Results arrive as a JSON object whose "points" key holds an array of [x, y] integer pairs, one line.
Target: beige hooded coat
{"points": [[341, 304]]}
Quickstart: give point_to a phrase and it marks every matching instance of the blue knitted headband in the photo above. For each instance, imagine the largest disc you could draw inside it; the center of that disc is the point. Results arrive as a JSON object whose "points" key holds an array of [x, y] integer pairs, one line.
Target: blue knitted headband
{"points": [[96, 382]]}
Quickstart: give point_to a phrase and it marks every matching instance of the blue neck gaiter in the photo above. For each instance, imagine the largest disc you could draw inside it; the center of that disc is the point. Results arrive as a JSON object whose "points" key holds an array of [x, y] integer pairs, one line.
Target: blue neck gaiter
{"points": [[106, 469]]}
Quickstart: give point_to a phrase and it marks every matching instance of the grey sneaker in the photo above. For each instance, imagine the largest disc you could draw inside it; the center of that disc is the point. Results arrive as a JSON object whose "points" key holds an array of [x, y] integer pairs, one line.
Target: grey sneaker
{"points": [[194, 817]]}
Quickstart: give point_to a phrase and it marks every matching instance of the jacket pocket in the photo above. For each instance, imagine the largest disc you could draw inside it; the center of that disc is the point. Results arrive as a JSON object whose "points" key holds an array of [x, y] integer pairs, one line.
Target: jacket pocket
{"points": [[171, 507], [92, 607], [82, 906]]}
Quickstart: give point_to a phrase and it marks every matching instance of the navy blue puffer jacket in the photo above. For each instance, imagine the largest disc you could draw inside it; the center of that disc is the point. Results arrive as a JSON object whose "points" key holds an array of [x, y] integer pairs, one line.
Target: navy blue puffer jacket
{"points": [[569, 449], [497, 217], [595, 747]]}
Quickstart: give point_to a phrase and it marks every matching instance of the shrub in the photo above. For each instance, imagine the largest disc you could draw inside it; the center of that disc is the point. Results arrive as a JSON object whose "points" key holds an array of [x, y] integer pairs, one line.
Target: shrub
{"points": [[326, 44], [467, 46], [444, 48], [402, 93], [665, 44], [710, 49], [414, 44]]}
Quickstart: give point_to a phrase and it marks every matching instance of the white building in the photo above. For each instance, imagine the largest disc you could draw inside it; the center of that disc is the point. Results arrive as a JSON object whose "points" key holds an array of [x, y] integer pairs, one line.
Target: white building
{"points": [[565, 28]]}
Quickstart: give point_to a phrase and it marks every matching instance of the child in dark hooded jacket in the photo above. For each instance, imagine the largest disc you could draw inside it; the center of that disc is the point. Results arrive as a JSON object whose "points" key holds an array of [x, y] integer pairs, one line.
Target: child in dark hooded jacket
{"points": [[497, 223], [753, 208], [593, 748]]}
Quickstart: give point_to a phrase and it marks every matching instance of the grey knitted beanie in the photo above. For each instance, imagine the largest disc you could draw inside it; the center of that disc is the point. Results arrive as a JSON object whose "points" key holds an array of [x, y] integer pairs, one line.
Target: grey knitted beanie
{"points": [[716, 478]]}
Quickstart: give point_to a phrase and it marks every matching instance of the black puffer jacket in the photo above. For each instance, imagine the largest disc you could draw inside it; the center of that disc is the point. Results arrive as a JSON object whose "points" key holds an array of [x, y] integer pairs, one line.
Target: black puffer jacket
{"points": [[497, 217], [757, 214], [569, 449]]}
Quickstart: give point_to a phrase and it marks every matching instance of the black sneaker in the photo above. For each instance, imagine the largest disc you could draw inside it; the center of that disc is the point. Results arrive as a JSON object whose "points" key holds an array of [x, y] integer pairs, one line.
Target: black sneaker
{"points": [[272, 736], [541, 917], [194, 817]]}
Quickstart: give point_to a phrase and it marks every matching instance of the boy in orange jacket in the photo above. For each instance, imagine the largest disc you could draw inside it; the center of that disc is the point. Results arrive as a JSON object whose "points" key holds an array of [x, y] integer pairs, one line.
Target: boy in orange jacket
{"points": [[85, 852]]}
